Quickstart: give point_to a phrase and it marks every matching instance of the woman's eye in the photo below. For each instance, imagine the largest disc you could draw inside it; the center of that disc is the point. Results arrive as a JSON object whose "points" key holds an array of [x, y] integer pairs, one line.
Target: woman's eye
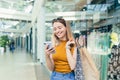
{"points": [[59, 27]]}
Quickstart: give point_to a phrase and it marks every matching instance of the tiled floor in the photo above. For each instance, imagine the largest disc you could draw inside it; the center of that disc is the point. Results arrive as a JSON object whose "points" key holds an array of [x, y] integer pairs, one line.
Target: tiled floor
{"points": [[20, 66], [41, 72]]}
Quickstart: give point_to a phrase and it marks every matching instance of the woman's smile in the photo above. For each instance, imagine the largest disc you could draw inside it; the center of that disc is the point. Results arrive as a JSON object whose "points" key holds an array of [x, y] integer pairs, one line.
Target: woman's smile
{"points": [[59, 34]]}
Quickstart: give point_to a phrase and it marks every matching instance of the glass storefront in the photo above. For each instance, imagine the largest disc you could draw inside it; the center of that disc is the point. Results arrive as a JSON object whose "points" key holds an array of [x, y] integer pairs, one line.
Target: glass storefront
{"points": [[97, 21]]}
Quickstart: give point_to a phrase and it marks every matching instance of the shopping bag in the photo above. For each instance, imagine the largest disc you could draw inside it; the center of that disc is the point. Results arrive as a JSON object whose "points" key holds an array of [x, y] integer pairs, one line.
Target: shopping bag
{"points": [[90, 70], [78, 69]]}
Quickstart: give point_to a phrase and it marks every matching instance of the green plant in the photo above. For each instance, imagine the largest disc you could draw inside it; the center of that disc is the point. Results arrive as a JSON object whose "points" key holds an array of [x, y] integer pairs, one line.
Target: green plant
{"points": [[4, 40]]}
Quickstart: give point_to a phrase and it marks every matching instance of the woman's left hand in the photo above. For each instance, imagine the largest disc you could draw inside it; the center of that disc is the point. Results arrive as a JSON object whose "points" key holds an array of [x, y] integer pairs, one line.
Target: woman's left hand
{"points": [[70, 44], [80, 41]]}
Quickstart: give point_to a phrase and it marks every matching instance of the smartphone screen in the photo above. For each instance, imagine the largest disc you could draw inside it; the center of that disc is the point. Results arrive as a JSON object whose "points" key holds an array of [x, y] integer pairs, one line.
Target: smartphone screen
{"points": [[49, 44]]}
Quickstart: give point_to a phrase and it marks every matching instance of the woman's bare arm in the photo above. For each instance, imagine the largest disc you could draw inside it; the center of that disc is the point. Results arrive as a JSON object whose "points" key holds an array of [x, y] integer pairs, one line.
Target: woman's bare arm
{"points": [[71, 58], [49, 60]]}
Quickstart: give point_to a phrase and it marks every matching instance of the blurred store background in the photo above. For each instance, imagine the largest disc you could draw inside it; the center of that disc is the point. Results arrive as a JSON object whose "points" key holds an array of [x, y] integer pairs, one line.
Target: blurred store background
{"points": [[28, 24]]}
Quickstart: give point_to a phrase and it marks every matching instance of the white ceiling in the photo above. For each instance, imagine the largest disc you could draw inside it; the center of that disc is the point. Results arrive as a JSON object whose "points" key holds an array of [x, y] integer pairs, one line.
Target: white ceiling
{"points": [[51, 6], [18, 5], [65, 5], [12, 1], [12, 10]]}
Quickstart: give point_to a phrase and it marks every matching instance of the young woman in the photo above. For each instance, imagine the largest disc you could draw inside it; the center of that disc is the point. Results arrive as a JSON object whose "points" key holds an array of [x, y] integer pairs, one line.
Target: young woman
{"points": [[61, 59]]}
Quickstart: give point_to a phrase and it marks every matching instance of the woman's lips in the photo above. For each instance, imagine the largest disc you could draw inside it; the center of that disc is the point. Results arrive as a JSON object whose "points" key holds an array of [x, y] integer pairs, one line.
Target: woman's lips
{"points": [[59, 34]]}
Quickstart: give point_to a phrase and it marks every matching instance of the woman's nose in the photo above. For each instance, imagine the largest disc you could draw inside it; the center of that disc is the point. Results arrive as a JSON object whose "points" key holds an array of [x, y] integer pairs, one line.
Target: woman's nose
{"points": [[57, 31]]}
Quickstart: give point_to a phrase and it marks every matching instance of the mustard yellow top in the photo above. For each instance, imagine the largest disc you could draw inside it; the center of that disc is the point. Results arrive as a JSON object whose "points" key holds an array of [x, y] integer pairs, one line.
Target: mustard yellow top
{"points": [[60, 58]]}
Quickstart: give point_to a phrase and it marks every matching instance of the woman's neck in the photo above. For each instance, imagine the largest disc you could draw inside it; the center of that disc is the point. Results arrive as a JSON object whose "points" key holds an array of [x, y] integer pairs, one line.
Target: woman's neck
{"points": [[63, 39]]}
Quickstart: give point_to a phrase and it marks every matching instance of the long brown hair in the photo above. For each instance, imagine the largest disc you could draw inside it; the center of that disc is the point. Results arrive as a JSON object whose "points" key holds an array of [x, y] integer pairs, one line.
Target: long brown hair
{"points": [[55, 39]]}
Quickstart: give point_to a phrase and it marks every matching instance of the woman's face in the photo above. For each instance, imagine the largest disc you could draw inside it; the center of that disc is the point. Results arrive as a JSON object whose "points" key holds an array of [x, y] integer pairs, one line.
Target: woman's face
{"points": [[59, 30]]}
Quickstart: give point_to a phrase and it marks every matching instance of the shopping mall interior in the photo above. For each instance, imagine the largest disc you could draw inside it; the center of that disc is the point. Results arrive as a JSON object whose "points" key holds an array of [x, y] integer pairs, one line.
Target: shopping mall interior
{"points": [[27, 24]]}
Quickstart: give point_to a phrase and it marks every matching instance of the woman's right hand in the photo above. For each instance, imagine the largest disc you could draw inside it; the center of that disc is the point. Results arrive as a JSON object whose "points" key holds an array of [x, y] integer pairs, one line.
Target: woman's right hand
{"points": [[48, 56], [49, 51]]}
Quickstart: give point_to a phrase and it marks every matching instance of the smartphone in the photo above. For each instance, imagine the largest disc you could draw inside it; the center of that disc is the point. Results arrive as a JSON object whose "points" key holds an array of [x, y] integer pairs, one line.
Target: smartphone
{"points": [[49, 44]]}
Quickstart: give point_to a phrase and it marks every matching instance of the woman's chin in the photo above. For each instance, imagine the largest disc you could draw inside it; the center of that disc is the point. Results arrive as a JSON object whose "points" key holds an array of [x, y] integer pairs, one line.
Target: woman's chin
{"points": [[61, 37]]}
